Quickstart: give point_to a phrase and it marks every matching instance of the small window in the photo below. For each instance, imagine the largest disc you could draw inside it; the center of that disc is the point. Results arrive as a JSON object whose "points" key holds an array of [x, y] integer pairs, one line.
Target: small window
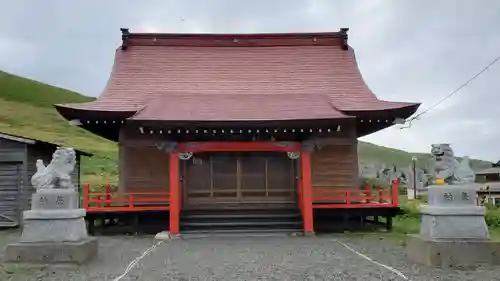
{"points": [[497, 201]]}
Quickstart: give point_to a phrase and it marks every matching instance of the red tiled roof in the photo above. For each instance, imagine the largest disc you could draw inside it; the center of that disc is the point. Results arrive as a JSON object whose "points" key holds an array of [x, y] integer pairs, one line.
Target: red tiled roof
{"points": [[248, 107], [279, 76]]}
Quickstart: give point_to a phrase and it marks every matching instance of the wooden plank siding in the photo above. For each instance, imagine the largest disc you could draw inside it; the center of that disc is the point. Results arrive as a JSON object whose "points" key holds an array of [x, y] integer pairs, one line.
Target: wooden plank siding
{"points": [[143, 167], [11, 196], [336, 166], [11, 151], [12, 177]]}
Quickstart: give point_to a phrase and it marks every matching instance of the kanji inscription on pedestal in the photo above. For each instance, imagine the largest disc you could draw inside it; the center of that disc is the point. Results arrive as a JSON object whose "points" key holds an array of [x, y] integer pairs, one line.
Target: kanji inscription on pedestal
{"points": [[448, 196]]}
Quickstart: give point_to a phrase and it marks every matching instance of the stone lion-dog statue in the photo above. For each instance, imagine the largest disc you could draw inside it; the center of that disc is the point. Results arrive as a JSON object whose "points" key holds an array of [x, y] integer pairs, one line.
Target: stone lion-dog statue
{"points": [[58, 173], [448, 168]]}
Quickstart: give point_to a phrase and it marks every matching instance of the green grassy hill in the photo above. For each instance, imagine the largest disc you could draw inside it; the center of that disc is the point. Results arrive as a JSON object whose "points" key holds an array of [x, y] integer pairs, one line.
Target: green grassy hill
{"points": [[371, 153], [26, 109]]}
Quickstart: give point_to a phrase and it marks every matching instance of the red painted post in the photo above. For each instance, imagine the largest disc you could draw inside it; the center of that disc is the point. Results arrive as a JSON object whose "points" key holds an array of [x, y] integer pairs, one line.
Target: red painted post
{"points": [[395, 193], [368, 193], [348, 197], [86, 190], [108, 194], [131, 201], [174, 193], [307, 192]]}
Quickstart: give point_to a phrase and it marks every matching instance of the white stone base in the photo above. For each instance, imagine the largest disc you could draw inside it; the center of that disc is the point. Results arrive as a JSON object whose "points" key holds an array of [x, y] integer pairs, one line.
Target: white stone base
{"points": [[453, 223], [54, 226]]}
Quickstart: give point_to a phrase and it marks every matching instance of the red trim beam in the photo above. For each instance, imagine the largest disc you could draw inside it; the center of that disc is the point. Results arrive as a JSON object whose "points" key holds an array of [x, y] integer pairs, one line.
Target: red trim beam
{"points": [[239, 146]]}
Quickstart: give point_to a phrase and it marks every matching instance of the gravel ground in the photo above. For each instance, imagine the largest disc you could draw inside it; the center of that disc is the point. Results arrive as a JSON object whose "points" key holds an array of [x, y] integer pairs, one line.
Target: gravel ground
{"points": [[271, 258]]}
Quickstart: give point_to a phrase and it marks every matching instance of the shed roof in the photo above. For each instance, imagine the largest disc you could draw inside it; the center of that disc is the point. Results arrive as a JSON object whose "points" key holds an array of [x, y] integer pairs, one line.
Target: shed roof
{"points": [[212, 77], [488, 171], [493, 187], [31, 141]]}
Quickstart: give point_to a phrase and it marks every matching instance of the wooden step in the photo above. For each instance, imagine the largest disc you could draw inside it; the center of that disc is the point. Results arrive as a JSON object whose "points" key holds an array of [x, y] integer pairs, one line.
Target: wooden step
{"points": [[239, 216], [241, 232], [240, 223]]}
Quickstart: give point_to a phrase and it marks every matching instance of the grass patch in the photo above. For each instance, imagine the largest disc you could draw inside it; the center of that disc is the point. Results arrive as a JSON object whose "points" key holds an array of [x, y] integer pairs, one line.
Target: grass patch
{"points": [[6, 236], [26, 91], [45, 124], [26, 109], [409, 221]]}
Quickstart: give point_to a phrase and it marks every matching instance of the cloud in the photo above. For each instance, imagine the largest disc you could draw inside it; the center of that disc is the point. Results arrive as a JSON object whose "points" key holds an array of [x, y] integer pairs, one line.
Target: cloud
{"points": [[406, 50]]}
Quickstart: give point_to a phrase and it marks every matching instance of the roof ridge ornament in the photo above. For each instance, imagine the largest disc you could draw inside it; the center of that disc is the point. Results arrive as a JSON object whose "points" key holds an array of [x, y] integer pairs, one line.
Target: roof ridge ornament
{"points": [[343, 32], [125, 34]]}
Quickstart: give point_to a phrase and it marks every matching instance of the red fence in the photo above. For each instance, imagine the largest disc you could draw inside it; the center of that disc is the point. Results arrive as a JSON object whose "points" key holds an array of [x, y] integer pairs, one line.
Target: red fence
{"points": [[124, 202], [326, 198], [369, 197]]}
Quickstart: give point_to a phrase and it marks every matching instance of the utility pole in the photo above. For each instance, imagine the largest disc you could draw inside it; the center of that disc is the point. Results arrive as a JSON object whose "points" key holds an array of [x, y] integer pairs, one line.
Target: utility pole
{"points": [[414, 162]]}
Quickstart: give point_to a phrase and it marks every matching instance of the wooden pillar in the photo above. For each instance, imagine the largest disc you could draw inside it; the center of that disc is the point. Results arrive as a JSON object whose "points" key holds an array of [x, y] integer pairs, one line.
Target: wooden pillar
{"points": [[86, 193], [175, 193], [307, 208], [388, 222], [395, 193]]}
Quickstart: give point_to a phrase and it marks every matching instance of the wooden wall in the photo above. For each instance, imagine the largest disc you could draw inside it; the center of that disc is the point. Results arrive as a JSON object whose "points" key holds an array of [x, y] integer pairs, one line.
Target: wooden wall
{"points": [[12, 178], [143, 167], [335, 165]]}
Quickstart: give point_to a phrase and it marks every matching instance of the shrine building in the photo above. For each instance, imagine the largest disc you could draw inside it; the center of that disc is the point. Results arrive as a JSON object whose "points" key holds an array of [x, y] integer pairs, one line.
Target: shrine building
{"points": [[215, 127]]}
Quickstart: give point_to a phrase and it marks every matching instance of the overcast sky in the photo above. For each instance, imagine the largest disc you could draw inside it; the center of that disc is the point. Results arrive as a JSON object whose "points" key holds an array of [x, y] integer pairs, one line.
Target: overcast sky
{"points": [[407, 51]]}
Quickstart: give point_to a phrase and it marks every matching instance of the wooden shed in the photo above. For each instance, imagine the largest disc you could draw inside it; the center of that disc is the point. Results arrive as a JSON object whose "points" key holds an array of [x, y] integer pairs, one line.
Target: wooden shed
{"points": [[18, 157]]}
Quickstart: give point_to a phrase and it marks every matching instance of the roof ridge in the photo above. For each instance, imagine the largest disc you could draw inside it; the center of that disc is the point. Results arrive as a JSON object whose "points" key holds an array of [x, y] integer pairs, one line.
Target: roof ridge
{"points": [[236, 39]]}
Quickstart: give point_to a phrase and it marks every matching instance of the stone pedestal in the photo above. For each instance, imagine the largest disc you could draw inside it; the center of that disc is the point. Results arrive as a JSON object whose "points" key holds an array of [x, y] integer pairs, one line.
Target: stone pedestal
{"points": [[54, 199], [456, 253], [453, 232], [54, 231], [452, 213], [54, 226]]}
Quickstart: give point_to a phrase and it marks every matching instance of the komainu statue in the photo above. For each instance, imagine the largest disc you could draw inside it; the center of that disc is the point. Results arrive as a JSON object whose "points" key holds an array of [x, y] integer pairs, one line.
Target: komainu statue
{"points": [[57, 173], [448, 168]]}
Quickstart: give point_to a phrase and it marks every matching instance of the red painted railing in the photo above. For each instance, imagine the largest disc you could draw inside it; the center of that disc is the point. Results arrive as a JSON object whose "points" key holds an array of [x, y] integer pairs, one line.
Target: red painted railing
{"points": [[369, 197], [124, 202]]}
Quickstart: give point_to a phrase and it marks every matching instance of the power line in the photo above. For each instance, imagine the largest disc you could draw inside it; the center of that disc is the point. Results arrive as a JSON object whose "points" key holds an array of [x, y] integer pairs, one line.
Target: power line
{"points": [[453, 92]]}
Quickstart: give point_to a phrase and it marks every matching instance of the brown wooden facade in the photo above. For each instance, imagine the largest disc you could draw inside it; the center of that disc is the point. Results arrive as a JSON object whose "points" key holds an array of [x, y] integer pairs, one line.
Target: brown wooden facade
{"points": [[143, 163]]}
